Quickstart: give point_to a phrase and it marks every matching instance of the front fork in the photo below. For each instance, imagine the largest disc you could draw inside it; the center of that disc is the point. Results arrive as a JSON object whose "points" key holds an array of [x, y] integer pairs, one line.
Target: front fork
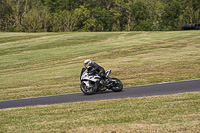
{"points": [[96, 85], [87, 83], [89, 86]]}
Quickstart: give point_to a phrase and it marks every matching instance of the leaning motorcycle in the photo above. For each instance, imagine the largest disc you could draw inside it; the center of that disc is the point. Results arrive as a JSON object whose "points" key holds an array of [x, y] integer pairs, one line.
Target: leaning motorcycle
{"points": [[88, 83]]}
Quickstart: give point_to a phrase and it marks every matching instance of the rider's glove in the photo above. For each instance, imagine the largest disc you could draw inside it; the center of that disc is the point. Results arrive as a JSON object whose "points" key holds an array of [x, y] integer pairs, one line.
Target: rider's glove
{"points": [[101, 74]]}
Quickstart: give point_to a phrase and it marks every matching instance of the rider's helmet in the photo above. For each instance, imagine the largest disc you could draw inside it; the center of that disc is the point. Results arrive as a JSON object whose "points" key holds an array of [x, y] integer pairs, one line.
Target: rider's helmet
{"points": [[87, 63]]}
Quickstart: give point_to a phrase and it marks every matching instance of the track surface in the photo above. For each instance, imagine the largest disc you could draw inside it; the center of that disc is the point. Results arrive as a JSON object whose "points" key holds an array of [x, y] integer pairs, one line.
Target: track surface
{"points": [[138, 91]]}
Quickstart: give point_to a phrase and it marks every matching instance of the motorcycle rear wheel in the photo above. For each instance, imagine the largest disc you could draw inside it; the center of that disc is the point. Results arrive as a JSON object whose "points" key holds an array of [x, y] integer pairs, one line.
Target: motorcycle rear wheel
{"points": [[118, 86], [85, 90]]}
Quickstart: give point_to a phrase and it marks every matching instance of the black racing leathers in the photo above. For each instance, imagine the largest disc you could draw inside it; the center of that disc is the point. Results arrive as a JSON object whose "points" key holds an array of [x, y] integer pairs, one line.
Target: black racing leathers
{"points": [[96, 69]]}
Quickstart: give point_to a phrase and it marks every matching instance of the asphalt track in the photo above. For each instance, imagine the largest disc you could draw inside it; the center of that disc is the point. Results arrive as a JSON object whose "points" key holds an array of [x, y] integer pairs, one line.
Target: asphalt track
{"points": [[138, 91]]}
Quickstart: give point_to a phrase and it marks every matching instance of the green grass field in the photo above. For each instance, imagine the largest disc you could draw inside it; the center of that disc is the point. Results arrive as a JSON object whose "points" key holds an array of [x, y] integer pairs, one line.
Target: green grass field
{"points": [[41, 64]]}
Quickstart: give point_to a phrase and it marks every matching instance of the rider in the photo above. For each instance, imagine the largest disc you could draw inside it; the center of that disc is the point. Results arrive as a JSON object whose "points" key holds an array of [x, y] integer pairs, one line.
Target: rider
{"points": [[93, 68]]}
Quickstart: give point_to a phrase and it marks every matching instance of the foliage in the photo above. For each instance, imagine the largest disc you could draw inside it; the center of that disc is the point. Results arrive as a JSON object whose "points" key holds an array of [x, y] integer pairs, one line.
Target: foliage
{"points": [[144, 25], [96, 15], [171, 15]]}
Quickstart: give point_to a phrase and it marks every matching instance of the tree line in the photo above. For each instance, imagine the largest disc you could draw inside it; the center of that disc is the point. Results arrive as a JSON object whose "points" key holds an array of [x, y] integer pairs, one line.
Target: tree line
{"points": [[97, 15]]}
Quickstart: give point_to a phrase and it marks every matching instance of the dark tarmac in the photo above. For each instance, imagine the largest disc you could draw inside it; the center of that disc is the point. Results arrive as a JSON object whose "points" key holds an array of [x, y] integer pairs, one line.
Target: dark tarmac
{"points": [[138, 91]]}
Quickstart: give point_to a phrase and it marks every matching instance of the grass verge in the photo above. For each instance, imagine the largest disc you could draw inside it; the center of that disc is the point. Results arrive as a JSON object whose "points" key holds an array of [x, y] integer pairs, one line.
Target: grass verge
{"points": [[171, 113]]}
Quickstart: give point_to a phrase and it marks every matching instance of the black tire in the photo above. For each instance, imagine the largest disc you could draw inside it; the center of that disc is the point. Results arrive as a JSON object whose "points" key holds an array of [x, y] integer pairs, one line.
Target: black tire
{"points": [[85, 90], [118, 86]]}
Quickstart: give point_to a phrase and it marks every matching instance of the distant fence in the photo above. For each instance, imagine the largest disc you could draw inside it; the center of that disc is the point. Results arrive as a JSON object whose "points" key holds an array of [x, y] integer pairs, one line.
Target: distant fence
{"points": [[194, 26]]}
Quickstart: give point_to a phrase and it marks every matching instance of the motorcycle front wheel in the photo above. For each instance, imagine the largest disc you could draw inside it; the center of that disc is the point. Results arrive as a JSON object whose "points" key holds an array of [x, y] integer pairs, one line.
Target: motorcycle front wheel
{"points": [[118, 86], [86, 90]]}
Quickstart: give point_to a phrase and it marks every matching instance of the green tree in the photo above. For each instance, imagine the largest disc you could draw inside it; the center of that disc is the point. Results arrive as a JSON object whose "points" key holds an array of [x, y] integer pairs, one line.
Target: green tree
{"points": [[125, 8], [117, 17], [144, 25], [122, 14], [57, 5], [139, 13], [97, 15], [33, 20], [196, 7], [170, 18], [35, 17], [87, 22], [70, 19], [190, 11], [5, 11], [66, 21], [103, 18], [57, 24]]}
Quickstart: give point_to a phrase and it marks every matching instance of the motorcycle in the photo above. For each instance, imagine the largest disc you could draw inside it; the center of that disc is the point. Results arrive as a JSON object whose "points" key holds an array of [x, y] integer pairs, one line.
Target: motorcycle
{"points": [[88, 82]]}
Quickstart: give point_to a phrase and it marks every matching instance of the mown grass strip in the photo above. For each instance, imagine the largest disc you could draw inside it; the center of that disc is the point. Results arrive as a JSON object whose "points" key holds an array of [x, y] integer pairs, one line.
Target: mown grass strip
{"points": [[172, 113]]}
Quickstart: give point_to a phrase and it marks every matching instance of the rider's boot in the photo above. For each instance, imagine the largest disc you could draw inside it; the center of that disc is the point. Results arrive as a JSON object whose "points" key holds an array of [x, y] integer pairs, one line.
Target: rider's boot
{"points": [[97, 84]]}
